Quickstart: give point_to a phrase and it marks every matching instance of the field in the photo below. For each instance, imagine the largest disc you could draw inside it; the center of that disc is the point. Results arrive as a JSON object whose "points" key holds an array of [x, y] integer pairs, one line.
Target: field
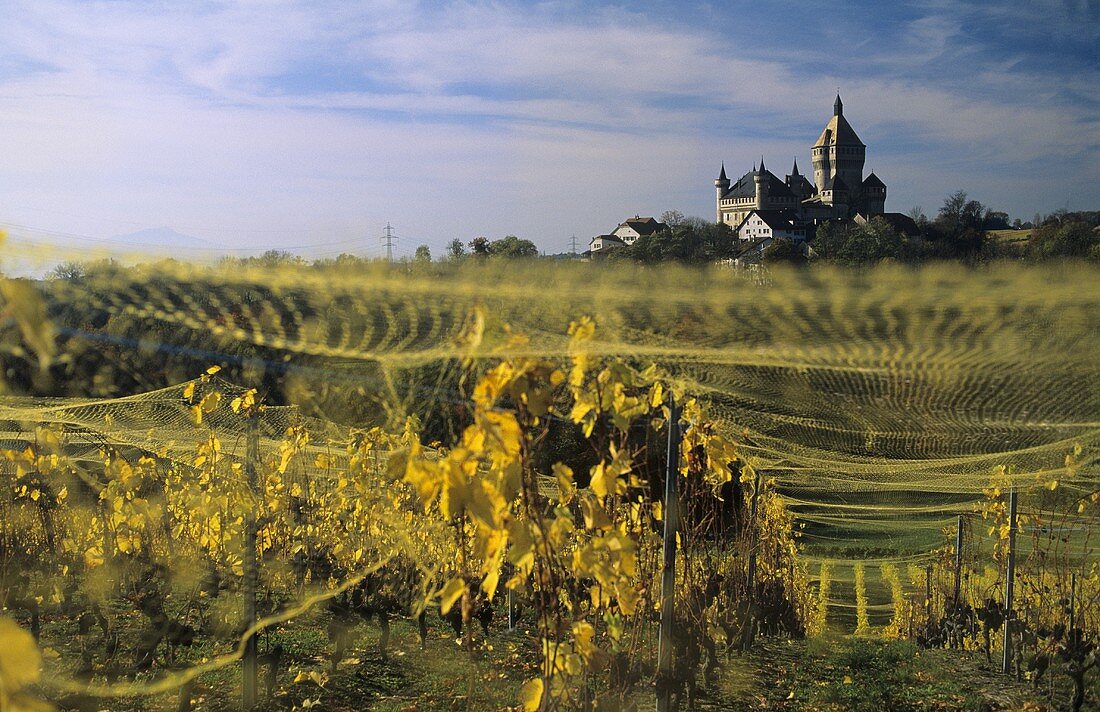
{"points": [[1015, 240], [252, 483]]}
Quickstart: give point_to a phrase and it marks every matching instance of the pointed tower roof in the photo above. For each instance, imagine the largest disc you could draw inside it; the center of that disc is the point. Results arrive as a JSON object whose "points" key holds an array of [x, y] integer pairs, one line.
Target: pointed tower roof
{"points": [[794, 171], [873, 181], [762, 169], [722, 175], [838, 132]]}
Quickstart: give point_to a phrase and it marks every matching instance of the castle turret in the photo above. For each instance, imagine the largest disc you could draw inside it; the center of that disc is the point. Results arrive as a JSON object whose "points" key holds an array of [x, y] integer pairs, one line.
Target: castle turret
{"points": [[798, 184], [721, 187], [760, 180], [823, 167]]}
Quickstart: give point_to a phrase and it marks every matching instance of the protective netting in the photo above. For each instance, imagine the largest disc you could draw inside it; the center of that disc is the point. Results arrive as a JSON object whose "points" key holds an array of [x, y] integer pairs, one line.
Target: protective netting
{"points": [[879, 401]]}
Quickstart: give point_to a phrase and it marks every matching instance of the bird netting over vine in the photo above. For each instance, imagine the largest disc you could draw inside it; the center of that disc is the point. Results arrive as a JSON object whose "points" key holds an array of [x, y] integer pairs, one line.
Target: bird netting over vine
{"points": [[880, 401]]}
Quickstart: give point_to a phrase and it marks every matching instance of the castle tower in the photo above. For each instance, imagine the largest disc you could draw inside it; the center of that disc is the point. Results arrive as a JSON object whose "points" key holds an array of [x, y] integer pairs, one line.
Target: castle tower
{"points": [[874, 195], [721, 187], [838, 153]]}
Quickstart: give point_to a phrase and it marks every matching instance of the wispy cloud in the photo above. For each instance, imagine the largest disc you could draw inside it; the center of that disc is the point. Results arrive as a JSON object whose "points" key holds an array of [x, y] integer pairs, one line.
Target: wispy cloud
{"points": [[286, 122]]}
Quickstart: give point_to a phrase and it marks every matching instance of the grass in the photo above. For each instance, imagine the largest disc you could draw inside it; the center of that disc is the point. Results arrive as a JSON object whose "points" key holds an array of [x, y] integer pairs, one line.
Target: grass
{"points": [[442, 676], [837, 673], [833, 672]]}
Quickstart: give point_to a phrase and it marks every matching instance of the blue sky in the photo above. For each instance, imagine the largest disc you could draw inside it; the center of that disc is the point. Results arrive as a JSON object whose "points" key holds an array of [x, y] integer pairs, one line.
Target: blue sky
{"points": [[310, 125]]}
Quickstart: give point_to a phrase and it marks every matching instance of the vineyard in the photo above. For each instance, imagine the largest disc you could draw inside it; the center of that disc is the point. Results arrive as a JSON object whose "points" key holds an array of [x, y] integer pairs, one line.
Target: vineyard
{"points": [[560, 487]]}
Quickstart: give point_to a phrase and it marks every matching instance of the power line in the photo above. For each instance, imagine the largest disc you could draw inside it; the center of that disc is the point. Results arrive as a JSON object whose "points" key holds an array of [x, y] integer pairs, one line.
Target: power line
{"points": [[387, 240]]}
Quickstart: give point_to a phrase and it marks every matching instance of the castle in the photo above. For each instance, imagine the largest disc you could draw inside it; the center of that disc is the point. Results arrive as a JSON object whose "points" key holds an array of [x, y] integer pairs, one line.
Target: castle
{"points": [[838, 191]]}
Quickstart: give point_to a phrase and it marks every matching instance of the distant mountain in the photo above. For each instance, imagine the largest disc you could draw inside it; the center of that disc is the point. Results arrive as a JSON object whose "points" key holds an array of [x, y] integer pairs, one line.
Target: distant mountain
{"points": [[162, 239]]}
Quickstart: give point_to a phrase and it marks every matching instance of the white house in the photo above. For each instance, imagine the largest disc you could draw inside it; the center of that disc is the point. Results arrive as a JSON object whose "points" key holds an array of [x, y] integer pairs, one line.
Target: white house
{"points": [[760, 224], [636, 227], [625, 234], [605, 243]]}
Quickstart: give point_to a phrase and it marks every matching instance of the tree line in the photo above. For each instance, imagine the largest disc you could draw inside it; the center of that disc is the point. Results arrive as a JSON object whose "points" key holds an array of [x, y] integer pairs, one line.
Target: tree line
{"points": [[961, 230]]}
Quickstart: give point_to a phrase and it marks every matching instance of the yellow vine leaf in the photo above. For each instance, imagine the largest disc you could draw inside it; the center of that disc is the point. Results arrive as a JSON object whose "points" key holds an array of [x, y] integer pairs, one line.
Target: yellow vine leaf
{"points": [[564, 475], [19, 666], [530, 695], [584, 639], [245, 401], [210, 402], [595, 516], [450, 594]]}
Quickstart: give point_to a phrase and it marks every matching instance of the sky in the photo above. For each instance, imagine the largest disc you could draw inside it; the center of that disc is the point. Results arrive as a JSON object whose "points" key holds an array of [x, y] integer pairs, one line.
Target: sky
{"points": [[308, 126]]}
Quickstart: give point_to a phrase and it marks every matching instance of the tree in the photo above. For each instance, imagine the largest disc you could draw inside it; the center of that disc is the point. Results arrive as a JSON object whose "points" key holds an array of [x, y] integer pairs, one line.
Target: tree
{"points": [[672, 218], [512, 247], [827, 239], [996, 220], [1064, 238], [960, 226], [70, 271], [852, 244], [873, 242], [276, 258], [479, 246], [785, 251], [423, 254], [693, 240], [455, 249]]}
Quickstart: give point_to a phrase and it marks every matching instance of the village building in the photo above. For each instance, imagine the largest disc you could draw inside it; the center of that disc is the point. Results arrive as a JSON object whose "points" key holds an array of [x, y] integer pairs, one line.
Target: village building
{"points": [[771, 224], [625, 234]]}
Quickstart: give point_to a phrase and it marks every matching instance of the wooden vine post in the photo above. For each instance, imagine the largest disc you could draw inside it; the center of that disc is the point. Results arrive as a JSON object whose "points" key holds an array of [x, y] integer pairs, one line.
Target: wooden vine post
{"points": [[1010, 583], [668, 570], [750, 589], [1072, 601], [958, 560], [250, 572], [928, 592]]}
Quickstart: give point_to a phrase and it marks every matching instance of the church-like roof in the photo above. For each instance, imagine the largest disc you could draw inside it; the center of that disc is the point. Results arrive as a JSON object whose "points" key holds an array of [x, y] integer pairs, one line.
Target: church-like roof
{"points": [[745, 187], [838, 132]]}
